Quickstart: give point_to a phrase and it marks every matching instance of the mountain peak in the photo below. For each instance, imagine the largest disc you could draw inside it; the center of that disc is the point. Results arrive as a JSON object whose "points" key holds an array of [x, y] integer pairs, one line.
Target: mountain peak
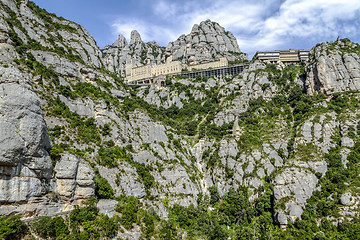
{"points": [[207, 41], [135, 37], [120, 42]]}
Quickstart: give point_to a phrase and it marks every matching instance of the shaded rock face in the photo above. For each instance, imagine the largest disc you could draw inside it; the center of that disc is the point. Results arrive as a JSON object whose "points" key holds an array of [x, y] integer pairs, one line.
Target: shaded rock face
{"points": [[120, 42], [25, 165], [333, 67], [26, 170], [135, 38], [207, 41]]}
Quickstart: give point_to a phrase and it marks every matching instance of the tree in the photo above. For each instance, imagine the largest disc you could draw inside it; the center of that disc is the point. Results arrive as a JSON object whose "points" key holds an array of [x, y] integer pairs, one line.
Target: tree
{"points": [[103, 189], [214, 195]]}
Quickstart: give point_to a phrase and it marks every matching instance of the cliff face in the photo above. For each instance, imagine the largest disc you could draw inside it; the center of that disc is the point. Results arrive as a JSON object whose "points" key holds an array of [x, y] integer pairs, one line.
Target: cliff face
{"points": [[173, 144], [24, 161], [37, 50], [136, 52], [334, 67]]}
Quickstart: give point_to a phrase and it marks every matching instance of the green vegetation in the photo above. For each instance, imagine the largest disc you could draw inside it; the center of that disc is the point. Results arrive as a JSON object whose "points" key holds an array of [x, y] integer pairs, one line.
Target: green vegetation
{"points": [[128, 207], [47, 227], [86, 128], [55, 41], [12, 227], [48, 19], [111, 155], [103, 189], [182, 119], [346, 47], [215, 217], [324, 204], [87, 223], [233, 216]]}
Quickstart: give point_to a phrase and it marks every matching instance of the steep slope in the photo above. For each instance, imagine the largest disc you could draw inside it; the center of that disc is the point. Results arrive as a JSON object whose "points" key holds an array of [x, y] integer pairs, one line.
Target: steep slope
{"points": [[334, 67], [234, 156], [40, 54], [26, 165]]}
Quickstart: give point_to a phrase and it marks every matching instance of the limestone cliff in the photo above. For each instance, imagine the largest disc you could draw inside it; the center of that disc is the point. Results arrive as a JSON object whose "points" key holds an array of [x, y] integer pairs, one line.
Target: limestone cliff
{"points": [[24, 161], [174, 144], [333, 67], [37, 50]]}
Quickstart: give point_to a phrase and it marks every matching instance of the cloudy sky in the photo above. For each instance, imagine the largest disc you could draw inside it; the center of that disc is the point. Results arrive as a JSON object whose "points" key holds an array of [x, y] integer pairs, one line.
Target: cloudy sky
{"points": [[257, 24]]}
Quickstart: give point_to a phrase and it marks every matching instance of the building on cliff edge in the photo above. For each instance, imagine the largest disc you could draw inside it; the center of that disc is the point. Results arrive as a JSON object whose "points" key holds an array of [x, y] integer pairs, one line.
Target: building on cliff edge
{"points": [[150, 71], [286, 57]]}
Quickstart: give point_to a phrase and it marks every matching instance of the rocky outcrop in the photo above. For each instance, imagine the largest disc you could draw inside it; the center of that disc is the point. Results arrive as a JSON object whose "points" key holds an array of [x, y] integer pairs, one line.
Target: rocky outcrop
{"points": [[350, 205], [25, 165], [333, 67], [74, 178], [26, 170], [207, 41], [137, 53]]}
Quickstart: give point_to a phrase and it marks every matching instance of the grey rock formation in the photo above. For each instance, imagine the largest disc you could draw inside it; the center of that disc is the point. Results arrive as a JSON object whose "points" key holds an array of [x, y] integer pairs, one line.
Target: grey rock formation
{"points": [[25, 165], [127, 183], [135, 38], [120, 42], [298, 183], [107, 206], [136, 53], [332, 68], [179, 164], [351, 202], [74, 179], [347, 199], [207, 41]]}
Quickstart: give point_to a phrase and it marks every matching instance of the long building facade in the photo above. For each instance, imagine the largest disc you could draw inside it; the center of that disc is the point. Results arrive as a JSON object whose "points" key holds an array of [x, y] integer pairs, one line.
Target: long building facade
{"points": [[287, 57], [149, 71]]}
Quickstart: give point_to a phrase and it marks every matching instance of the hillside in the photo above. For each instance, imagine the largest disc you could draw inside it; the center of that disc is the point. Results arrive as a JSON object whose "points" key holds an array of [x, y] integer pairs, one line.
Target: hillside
{"points": [[238, 157]]}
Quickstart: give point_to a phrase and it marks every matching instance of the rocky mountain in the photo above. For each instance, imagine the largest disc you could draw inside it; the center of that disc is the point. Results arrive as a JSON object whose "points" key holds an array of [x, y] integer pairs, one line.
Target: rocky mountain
{"points": [[136, 52], [334, 67], [230, 157], [206, 42]]}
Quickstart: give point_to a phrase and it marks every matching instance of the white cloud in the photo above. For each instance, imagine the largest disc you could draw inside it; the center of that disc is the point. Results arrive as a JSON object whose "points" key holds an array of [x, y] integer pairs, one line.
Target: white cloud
{"points": [[165, 10], [147, 31], [264, 24]]}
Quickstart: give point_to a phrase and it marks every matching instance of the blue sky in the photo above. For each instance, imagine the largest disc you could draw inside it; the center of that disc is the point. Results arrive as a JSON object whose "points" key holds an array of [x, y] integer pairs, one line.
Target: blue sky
{"points": [[257, 24]]}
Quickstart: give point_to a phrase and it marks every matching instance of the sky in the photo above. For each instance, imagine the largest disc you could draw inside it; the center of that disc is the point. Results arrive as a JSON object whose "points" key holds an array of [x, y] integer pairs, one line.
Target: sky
{"points": [[257, 25]]}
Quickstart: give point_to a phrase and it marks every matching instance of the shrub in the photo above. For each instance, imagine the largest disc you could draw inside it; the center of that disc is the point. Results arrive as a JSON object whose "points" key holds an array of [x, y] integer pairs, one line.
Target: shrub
{"points": [[128, 207], [103, 189], [47, 227], [12, 227], [214, 195], [83, 214]]}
